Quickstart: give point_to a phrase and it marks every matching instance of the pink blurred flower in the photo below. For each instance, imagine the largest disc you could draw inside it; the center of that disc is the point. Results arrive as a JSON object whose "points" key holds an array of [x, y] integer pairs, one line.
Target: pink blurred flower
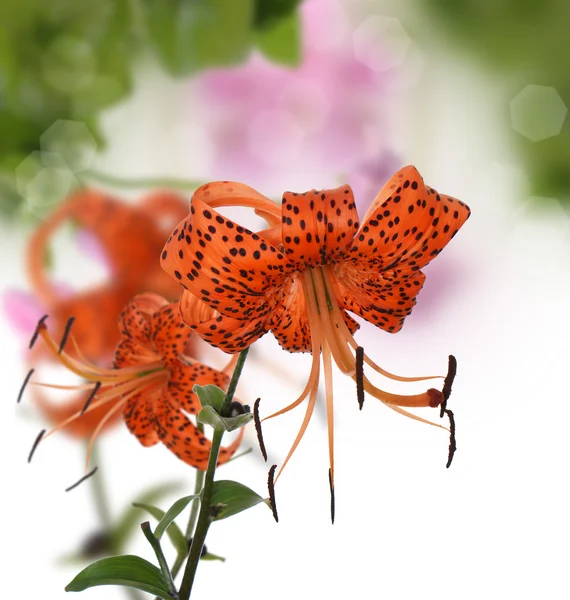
{"points": [[316, 125]]}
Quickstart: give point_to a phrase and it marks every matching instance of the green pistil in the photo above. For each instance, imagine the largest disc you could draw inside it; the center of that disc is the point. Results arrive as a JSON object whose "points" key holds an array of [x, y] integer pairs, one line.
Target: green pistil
{"points": [[143, 373]]}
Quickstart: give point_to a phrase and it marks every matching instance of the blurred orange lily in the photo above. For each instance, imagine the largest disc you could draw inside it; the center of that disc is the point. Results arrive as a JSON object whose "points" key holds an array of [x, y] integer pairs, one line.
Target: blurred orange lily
{"points": [[151, 382], [299, 277], [131, 236]]}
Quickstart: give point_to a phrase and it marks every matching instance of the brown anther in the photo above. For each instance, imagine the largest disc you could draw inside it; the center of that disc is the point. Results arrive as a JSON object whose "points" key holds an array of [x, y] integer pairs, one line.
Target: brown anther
{"points": [[90, 474], [271, 486], [448, 382], [66, 331], [435, 397], [360, 376], [257, 422], [39, 327], [452, 443], [332, 496], [91, 396], [24, 385], [35, 445]]}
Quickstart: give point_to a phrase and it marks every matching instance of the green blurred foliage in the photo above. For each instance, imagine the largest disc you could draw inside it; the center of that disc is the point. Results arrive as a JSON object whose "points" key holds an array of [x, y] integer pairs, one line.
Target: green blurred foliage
{"points": [[526, 42], [71, 60]]}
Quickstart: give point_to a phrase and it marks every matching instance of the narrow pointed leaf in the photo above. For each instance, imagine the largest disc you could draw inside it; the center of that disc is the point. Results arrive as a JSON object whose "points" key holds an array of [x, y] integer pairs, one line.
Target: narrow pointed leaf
{"points": [[174, 532], [130, 571], [129, 521], [172, 513], [230, 498]]}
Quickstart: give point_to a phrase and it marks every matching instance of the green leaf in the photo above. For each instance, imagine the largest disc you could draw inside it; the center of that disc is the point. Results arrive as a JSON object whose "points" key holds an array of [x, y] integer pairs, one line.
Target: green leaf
{"points": [[230, 498], [208, 416], [281, 41], [129, 571], [129, 520], [174, 532], [267, 12], [172, 513], [192, 35], [231, 423], [210, 395]]}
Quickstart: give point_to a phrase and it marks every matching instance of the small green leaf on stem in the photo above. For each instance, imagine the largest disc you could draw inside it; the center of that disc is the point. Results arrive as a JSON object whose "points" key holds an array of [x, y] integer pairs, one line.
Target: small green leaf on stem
{"points": [[209, 556], [130, 571], [230, 498], [210, 395]]}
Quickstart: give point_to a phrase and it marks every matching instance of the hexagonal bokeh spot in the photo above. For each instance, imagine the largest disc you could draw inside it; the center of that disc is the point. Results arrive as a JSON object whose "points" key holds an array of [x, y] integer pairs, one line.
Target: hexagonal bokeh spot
{"points": [[33, 164], [538, 112], [73, 141], [381, 43], [48, 188], [43, 179]]}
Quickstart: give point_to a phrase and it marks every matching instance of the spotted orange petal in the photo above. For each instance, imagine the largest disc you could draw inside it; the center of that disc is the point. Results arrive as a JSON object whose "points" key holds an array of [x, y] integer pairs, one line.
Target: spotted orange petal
{"points": [[169, 334], [383, 299], [318, 224], [182, 379], [407, 225], [179, 434], [227, 266], [140, 418]]}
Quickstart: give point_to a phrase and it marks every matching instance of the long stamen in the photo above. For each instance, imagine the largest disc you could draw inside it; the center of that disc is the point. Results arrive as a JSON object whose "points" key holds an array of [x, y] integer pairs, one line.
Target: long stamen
{"points": [[338, 321], [109, 394], [316, 335], [342, 356], [327, 368], [303, 428], [100, 374], [101, 424]]}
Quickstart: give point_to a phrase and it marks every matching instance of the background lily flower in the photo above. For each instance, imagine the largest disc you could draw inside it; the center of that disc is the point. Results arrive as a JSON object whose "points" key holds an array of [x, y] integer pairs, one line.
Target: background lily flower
{"points": [[299, 278], [150, 383], [127, 237]]}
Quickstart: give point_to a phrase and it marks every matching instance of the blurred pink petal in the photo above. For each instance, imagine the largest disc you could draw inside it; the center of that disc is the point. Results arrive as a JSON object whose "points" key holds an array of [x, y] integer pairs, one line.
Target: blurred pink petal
{"points": [[88, 243], [22, 310], [279, 128]]}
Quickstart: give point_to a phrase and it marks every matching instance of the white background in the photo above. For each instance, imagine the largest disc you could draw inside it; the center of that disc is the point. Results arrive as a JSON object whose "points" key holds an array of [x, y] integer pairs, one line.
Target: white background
{"points": [[495, 525]]}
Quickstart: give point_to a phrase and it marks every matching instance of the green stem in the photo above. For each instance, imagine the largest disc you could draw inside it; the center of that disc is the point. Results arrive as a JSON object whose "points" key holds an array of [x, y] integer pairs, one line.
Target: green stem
{"points": [[198, 484], [138, 182], [205, 517], [104, 514]]}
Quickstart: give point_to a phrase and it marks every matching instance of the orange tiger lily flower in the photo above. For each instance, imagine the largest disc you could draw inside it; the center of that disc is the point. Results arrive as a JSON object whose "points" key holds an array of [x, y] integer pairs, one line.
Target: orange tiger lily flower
{"points": [[131, 236], [301, 277], [150, 383]]}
